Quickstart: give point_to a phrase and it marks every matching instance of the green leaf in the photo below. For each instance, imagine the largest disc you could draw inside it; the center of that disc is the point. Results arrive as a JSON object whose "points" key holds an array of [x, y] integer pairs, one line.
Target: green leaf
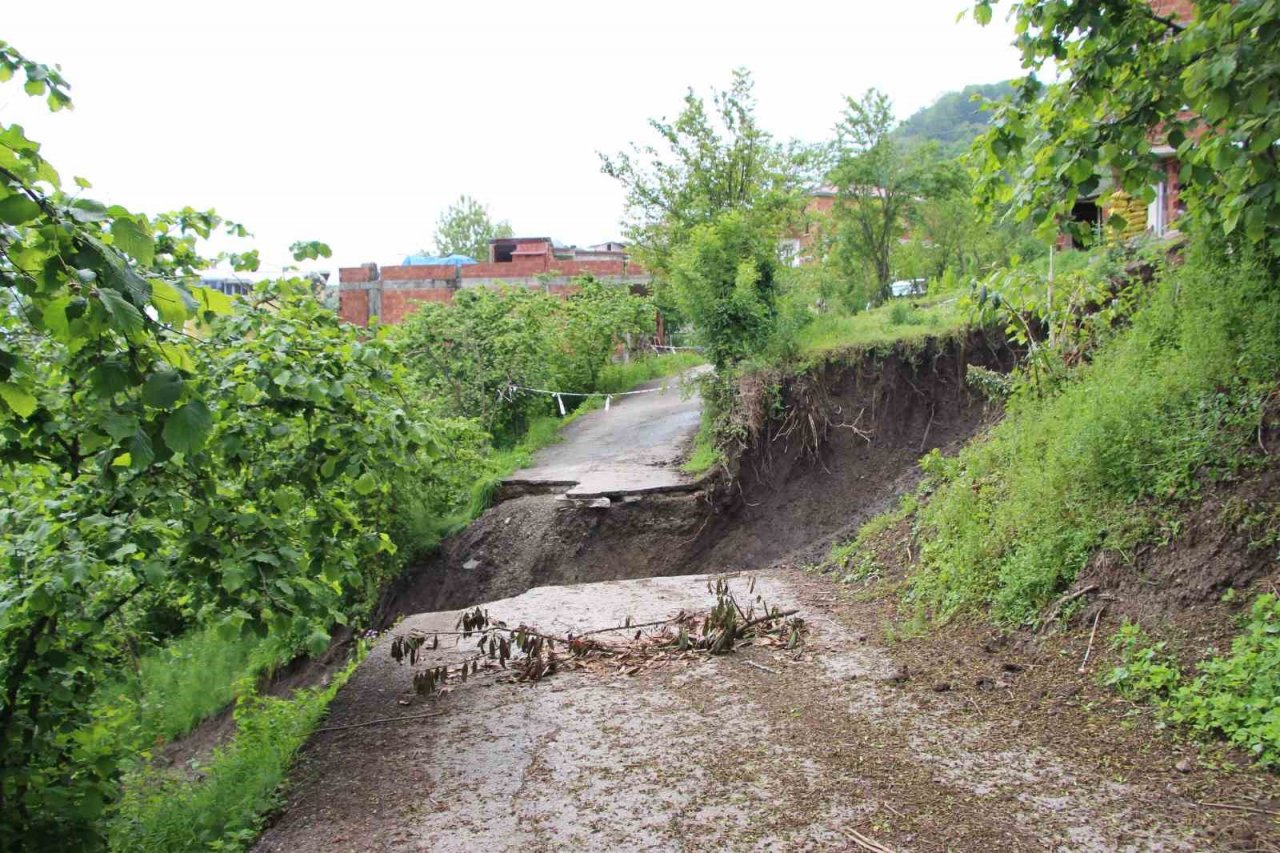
{"points": [[212, 301], [17, 209], [120, 425], [365, 483], [233, 578], [186, 430], [169, 302], [17, 399], [134, 238], [141, 453], [55, 318], [110, 377], [124, 317], [162, 389]]}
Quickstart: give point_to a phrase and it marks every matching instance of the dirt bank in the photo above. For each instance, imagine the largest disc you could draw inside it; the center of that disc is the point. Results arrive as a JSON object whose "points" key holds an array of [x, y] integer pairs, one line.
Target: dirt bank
{"points": [[839, 443]]}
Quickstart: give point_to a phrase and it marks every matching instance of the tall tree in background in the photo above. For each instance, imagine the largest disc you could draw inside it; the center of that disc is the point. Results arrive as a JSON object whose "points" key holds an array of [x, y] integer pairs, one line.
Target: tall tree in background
{"points": [[1133, 79], [711, 160], [876, 185], [466, 229]]}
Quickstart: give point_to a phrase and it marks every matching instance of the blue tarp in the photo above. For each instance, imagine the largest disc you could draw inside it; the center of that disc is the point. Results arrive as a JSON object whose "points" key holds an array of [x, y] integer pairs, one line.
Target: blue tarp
{"points": [[432, 260]]}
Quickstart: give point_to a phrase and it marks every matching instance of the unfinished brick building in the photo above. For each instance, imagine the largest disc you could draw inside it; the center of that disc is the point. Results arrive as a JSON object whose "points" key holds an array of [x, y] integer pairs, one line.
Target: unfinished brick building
{"points": [[391, 293]]}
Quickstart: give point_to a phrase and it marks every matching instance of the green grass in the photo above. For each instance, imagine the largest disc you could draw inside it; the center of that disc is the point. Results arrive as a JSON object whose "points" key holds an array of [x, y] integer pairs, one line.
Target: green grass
{"points": [[616, 378], [896, 320], [176, 686], [165, 811], [195, 676], [706, 453], [1095, 461]]}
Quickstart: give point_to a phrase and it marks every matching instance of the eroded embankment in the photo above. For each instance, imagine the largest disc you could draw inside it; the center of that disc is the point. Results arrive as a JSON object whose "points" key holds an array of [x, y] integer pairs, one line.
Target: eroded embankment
{"points": [[830, 447], [826, 447]]}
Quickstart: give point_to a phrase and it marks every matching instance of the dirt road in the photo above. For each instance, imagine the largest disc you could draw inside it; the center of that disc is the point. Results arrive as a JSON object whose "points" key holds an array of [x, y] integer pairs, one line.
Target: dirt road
{"points": [[760, 749], [634, 447]]}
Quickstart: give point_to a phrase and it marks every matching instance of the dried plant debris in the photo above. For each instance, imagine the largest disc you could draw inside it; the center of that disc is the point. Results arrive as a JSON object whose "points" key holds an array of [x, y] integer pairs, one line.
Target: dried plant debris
{"points": [[529, 654]]}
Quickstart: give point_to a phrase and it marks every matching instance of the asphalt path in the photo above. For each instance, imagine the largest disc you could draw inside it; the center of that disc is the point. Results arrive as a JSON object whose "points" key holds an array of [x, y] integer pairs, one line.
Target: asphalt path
{"points": [[633, 448]]}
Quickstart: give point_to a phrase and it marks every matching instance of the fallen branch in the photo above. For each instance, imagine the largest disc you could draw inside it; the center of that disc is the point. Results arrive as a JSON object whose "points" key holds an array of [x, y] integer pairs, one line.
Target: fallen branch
{"points": [[866, 843], [1235, 808], [761, 667], [377, 722], [1057, 605], [1092, 634], [780, 615]]}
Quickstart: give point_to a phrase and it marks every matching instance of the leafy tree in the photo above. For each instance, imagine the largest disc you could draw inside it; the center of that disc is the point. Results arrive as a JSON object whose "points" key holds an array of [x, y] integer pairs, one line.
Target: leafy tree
{"points": [[724, 276], [1133, 79], [954, 120], [877, 185], [164, 448], [466, 229], [710, 160], [468, 354], [595, 320]]}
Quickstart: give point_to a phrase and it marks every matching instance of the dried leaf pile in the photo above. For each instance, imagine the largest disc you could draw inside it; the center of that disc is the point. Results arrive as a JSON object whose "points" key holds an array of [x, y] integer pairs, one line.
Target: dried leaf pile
{"points": [[529, 654]]}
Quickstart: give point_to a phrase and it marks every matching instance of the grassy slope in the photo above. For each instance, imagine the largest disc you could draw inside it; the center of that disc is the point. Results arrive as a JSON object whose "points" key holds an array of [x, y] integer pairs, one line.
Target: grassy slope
{"points": [[1106, 459], [897, 320]]}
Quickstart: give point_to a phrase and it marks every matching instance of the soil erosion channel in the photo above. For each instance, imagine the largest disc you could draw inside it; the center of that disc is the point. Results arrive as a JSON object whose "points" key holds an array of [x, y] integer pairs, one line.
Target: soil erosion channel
{"points": [[820, 747]]}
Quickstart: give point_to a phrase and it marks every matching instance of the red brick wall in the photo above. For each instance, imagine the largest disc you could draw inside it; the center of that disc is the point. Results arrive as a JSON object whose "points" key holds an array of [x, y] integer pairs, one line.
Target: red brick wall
{"points": [[424, 272], [512, 269], [354, 274], [398, 304], [1178, 10], [353, 306]]}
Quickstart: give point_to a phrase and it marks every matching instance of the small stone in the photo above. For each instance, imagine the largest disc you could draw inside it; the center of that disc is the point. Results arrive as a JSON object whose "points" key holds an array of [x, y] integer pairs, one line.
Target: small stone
{"points": [[471, 564], [898, 676], [1184, 766], [984, 683], [599, 503]]}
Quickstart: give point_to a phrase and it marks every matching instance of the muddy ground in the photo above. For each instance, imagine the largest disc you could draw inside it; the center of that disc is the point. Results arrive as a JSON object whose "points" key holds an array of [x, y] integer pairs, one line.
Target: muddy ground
{"points": [[852, 737]]}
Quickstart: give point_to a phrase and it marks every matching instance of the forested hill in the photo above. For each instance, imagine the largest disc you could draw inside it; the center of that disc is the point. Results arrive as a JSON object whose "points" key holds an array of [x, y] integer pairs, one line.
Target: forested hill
{"points": [[955, 119]]}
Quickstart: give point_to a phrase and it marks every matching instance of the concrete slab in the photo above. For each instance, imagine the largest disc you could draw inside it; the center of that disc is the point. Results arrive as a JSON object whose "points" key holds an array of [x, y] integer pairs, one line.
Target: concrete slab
{"points": [[636, 447]]}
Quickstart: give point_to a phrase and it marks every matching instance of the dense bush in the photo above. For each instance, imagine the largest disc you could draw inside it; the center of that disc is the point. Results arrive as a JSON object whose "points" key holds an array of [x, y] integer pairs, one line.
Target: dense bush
{"points": [[272, 498], [725, 278], [466, 356]]}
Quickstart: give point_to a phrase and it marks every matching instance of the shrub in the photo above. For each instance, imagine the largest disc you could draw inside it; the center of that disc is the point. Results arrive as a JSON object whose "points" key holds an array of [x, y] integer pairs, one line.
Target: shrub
{"points": [[1233, 695]]}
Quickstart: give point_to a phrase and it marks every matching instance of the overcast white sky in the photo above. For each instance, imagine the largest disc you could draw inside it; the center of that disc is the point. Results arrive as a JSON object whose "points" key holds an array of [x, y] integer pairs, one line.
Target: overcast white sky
{"points": [[357, 123]]}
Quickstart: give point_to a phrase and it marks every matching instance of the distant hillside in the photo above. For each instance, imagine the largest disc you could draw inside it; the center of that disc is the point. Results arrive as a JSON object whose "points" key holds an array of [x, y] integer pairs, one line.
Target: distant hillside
{"points": [[954, 120]]}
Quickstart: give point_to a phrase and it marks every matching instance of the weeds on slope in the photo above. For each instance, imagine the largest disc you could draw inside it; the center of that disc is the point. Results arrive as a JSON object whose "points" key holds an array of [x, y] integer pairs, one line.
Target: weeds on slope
{"points": [[1168, 401], [163, 811], [1231, 695]]}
